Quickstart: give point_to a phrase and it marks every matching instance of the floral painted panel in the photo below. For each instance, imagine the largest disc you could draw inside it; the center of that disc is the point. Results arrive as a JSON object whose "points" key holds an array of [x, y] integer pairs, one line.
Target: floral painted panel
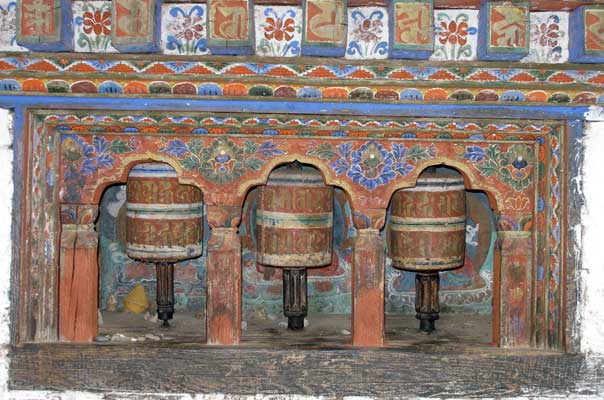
{"points": [[8, 26], [367, 33], [456, 35], [278, 31], [92, 26], [549, 38], [184, 29]]}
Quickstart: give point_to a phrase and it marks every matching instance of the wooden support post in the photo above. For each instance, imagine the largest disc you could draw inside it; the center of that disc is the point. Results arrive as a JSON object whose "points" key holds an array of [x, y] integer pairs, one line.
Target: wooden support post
{"points": [[368, 289], [223, 305], [79, 274], [515, 256]]}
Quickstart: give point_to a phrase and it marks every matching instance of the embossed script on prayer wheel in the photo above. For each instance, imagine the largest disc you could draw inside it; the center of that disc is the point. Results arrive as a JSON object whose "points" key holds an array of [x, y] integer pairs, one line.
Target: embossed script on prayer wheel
{"points": [[164, 218], [164, 225], [427, 234], [294, 222], [428, 223]]}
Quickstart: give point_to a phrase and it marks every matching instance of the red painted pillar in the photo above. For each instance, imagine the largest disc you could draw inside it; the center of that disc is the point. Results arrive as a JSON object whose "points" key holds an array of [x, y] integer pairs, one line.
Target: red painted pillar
{"points": [[368, 289], [513, 283], [223, 305], [78, 274], [369, 260]]}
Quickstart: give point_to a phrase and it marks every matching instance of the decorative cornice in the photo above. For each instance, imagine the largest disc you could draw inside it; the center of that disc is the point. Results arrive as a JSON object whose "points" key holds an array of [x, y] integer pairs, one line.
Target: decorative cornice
{"points": [[305, 78]]}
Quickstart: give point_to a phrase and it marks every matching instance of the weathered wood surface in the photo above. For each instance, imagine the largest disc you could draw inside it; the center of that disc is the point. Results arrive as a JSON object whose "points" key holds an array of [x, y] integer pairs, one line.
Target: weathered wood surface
{"points": [[336, 372]]}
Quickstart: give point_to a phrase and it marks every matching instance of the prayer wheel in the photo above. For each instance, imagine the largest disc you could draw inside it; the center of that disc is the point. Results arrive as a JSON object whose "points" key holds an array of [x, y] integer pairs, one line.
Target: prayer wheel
{"points": [[427, 235], [164, 225], [294, 222]]}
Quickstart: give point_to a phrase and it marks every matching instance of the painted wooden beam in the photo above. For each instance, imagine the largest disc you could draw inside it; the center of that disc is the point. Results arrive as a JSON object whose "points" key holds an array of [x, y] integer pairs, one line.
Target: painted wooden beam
{"points": [[324, 28], [411, 29], [503, 32], [136, 25], [587, 35], [45, 25], [230, 27]]}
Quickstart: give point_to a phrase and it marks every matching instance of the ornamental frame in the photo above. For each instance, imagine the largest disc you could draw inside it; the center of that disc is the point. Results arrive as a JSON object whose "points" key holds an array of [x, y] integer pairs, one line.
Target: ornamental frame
{"points": [[50, 132]]}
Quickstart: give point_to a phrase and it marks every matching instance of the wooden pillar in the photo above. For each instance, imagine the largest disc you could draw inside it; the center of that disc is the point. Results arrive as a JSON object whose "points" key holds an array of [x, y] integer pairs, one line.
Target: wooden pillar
{"points": [[223, 305], [79, 273], [368, 266], [513, 285]]}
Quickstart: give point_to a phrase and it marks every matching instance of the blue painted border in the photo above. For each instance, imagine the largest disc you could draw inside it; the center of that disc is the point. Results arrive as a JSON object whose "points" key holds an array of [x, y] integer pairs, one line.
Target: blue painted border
{"points": [[232, 47], [413, 52], [577, 50], [64, 42], [484, 50], [151, 44], [324, 49], [298, 107]]}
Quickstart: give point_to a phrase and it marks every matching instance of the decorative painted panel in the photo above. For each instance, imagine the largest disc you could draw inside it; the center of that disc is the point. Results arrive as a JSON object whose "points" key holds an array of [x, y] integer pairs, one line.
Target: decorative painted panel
{"points": [[368, 29], [92, 26], [516, 154], [548, 38], [587, 34], [411, 29], [278, 30], [324, 32], [136, 25], [230, 26], [455, 35], [8, 26], [184, 29], [504, 31], [45, 25]]}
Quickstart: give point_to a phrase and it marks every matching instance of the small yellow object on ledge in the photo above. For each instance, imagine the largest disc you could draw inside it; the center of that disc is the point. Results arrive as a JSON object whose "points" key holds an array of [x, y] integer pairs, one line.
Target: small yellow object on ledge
{"points": [[136, 301]]}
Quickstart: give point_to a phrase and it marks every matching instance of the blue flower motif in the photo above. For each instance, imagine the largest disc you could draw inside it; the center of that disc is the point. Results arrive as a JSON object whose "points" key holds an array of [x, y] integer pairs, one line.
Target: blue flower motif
{"points": [[176, 148], [371, 165], [474, 153]]}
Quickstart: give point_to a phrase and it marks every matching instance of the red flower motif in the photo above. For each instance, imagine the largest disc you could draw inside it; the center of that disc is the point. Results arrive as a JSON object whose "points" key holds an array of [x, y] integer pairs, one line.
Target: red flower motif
{"points": [[368, 30], [453, 33], [191, 28], [279, 29], [546, 34], [97, 22]]}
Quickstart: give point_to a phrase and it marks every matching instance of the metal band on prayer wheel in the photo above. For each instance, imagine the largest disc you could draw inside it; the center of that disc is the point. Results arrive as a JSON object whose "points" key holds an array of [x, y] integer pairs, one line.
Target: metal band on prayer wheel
{"points": [[428, 222], [294, 219], [164, 218]]}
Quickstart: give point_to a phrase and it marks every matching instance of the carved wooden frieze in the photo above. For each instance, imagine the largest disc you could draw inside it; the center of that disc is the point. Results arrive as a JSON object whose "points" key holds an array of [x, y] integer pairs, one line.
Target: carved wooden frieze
{"points": [[136, 25], [504, 31], [230, 27], [45, 25], [324, 32], [411, 29], [587, 34]]}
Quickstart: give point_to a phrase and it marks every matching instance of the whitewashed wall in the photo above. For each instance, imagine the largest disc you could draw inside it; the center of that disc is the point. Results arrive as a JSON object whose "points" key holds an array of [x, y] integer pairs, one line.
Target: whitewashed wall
{"points": [[591, 309], [592, 272], [6, 195]]}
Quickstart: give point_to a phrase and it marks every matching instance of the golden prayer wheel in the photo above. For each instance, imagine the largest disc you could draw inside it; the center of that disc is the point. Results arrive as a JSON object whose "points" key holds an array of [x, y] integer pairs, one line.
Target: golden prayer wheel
{"points": [[164, 225], [427, 234], [294, 222]]}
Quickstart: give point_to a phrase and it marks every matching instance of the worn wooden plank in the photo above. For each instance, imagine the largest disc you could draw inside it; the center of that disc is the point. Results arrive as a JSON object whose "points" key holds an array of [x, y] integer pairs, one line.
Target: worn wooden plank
{"points": [[337, 372]]}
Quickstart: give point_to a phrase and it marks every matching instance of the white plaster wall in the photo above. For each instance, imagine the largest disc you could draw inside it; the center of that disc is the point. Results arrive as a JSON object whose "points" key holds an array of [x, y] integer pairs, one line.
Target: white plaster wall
{"points": [[6, 195], [592, 270], [591, 309]]}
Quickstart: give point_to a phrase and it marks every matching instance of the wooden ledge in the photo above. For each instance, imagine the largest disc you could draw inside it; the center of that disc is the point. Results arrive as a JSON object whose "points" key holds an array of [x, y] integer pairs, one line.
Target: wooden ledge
{"points": [[194, 368]]}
